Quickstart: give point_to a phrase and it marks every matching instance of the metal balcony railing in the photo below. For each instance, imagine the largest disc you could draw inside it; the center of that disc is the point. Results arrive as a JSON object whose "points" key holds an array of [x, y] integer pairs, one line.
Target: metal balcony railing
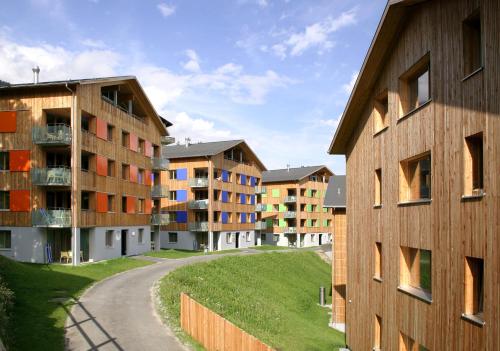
{"points": [[260, 225], [159, 191], [291, 198], [198, 204], [160, 163], [160, 219], [59, 176], [52, 134], [290, 214], [259, 190], [57, 218], [291, 230], [260, 208], [167, 140], [198, 182], [198, 226]]}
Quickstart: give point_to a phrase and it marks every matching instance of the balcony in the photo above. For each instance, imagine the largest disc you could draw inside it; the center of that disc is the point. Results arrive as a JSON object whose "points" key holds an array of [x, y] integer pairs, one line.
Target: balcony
{"points": [[198, 226], [167, 140], [290, 199], [160, 219], [290, 214], [59, 218], [260, 225], [51, 176], [198, 204], [160, 164], [198, 182], [260, 208], [159, 191], [259, 190], [52, 135], [290, 230]]}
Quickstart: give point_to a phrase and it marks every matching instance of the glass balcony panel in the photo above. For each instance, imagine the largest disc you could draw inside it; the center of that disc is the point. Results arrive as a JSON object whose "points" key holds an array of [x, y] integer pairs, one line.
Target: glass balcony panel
{"points": [[58, 176], [52, 134], [57, 218], [198, 226], [198, 182], [198, 204]]}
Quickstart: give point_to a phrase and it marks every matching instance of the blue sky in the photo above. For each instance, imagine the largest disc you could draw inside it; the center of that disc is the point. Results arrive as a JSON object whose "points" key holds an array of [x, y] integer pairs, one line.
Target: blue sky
{"points": [[276, 73]]}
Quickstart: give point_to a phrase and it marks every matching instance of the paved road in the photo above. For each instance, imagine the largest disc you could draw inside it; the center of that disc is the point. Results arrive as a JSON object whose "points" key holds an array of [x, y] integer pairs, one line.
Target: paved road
{"points": [[118, 313]]}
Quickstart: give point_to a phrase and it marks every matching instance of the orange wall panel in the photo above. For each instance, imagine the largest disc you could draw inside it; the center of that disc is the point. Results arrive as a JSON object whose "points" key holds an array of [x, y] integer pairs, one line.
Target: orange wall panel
{"points": [[133, 173], [147, 177], [8, 121], [20, 201], [19, 160], [133, 142], [148, 204], [130, 204], [102, 165], [101, 129], [102, 202]]}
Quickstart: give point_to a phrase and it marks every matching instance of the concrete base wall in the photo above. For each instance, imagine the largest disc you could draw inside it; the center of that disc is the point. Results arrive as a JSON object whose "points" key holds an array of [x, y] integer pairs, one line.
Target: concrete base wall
{"points": [[27, 244], [227, 240], [309, 239], [187, 240]]}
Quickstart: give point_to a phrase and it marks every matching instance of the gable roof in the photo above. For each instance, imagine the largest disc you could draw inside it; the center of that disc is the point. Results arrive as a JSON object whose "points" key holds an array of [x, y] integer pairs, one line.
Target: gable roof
{"points": [[291, 174], [389, 27], [161, 122], [207, 149], [335, 192]]}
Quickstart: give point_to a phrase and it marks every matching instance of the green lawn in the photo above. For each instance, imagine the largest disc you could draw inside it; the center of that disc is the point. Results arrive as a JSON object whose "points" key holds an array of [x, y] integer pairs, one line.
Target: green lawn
{"points": [[271, 248], [174, 253], [273, 296], [37, 323]]}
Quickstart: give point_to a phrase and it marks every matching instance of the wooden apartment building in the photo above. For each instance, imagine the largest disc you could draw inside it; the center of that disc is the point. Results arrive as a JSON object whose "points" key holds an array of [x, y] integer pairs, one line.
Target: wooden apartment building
{"points": [[292, 207], [334, 202], [77, 163], [421, 136], [211, 196]]}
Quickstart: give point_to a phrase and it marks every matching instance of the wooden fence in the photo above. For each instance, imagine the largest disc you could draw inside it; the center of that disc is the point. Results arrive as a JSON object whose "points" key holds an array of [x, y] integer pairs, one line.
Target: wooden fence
{"points": [[213, 331]]}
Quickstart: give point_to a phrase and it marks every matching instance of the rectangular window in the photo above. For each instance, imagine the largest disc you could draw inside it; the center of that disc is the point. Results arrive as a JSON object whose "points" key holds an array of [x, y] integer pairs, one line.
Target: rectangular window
{"points": [[474, 287], [5, 239], [140, 239], [247, 236], [473, 165], [109, 238], [415, 270], [125, 139], [229, 238], [124, 204], [276, 237], [173, 195], [110, 132], [415, 86], [378, 187], [85, 162], [140, 205], [111, 168], [378, 333], [472, 43], [85, 200], [111, 203], [141, 146], [140, 176], [173, 174], [381, 111], [415, 178], [4, 200], [378, 260], [408, 344], [172, 238], [4, 161], [125, 171]]}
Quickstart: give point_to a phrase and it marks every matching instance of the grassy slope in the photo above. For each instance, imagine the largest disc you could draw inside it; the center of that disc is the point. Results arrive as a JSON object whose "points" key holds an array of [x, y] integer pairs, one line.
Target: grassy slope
{"points": [[38, 324], [272, 296], [173, 253], [271, 248]]}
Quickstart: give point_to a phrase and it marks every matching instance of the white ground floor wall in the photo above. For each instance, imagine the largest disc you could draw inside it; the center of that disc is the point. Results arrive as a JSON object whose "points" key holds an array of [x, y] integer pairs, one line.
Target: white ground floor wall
{"points": [[306, 239], [28, 244], [185, 240]]}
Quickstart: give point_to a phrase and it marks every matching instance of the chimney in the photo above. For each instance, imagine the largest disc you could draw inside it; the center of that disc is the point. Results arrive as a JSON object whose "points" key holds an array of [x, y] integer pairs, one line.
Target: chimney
{"points": [[36, 72], [187, 141]]}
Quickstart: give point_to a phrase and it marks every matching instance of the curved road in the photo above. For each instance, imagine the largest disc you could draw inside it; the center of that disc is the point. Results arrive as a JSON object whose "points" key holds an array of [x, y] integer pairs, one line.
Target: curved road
{"points": [[118, 313]]}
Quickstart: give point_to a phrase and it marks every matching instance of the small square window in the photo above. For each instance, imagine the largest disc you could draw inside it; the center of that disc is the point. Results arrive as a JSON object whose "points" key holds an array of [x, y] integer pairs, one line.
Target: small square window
{"points": [[474, 287], [416, 269], [173, 195], [408, 344], [173, 174], [5, 239], [381, 111], [415, 88], [472, 43], [4, 161], [172, 238], [473, 165], [109, 238], [415, 178]]}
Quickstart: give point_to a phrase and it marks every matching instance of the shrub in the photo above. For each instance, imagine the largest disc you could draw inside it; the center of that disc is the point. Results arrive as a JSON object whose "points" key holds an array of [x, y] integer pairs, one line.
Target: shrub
{"points": [[6, 303]]}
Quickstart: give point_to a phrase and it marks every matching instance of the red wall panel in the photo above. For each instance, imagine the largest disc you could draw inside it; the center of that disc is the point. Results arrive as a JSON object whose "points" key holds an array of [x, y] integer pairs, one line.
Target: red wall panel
{"points": [[102, 165], [8, 121], [131, 204], [102, 202], [20, 201], [101, 129], [133, 142], [148, 148], [133, 173], [147, 177], [19, 160]]}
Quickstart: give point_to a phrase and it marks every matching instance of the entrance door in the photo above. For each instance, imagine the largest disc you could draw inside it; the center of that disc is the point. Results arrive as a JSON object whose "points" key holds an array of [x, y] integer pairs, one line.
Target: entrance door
{"points": [[237, 240], [84, 244], [320, 237], [124, 242]]}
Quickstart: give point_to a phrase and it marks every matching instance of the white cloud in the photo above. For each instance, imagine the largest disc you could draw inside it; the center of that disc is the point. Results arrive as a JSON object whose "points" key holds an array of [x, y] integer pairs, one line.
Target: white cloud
{"points": [[262, 3], [98, 44], [165, 9], [196, 129], [279, 50], [193, 65], [349, 86]]}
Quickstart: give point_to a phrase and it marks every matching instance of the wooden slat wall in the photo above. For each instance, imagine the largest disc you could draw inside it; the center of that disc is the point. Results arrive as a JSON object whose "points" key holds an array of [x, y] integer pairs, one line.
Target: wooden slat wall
{"points": [[213, 331], [339, 269], [449, 227]]}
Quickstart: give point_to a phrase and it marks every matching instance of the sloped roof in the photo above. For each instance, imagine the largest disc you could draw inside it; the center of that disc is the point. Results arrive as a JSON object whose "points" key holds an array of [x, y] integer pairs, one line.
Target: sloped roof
{"points": [[335, 192], [291, 174], [392, 21], [206, 149]]}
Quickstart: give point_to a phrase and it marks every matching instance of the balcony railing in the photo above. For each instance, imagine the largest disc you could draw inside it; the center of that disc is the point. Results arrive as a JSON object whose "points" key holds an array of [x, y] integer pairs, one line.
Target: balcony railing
{"points": [[51, 176], [58, 218], [291, 198], [160, 219], [260, 208], [198, 182], [291, 230], [198, 204], [260, 225], [290, 214], [160, 164], [198, 226], [167, 140], [259, 190], [159, 191], [52, 134]]}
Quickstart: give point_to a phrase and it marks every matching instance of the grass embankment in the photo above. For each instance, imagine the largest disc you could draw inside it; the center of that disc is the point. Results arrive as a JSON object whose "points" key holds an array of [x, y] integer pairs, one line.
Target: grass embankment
{"points": [[37, 321], [174, 253], [272, 248], [272, 296]]}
